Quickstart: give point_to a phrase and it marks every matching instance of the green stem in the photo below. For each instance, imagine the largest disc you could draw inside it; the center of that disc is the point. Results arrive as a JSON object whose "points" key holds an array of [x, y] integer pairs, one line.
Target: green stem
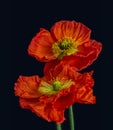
{"points": [[71, 117], [58, 126]]}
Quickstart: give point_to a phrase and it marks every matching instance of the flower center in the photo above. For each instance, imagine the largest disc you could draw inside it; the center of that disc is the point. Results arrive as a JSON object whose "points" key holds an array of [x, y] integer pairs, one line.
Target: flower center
{"points": [[54, 86], [64, 47]]}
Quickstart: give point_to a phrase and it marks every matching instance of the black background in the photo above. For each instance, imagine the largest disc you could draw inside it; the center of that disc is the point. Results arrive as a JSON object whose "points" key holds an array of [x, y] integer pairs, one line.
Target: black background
{"points": [[21, 21]]}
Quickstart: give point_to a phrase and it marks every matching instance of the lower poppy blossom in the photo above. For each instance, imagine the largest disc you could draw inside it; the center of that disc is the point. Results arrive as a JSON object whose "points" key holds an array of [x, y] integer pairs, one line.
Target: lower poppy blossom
{"points": [[49, 96], [66, 40]]}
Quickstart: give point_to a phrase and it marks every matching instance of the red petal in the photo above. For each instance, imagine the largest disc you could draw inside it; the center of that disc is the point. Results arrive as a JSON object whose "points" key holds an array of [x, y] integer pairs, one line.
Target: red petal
{"points": [[85, 96], [43, 110], [49, 66], [26, 86], [85, 79], [81, 92], [57, 69], [86, 55], [84, 93], [40, 46], [65, 98], [77, 31]]}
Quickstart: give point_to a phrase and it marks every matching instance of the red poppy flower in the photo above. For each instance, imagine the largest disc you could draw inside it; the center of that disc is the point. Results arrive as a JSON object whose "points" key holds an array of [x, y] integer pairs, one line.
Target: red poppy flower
{"points": [[67, 40], [49, 96]]}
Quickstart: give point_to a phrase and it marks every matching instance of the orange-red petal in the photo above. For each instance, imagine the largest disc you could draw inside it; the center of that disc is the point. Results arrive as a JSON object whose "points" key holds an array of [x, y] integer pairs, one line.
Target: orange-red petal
{"points": [[41, 46], [80, 92], [50, 67], [77, 31], [85, 96], [27, 86], [85, 56], [85, 80], [57, 69], [65, 98], [46, 111], [84, 93]]}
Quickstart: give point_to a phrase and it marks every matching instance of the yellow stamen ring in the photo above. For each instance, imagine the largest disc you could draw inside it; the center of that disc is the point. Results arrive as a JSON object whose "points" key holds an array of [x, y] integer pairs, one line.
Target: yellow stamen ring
{"points": [[66, 46], [54, 86]]}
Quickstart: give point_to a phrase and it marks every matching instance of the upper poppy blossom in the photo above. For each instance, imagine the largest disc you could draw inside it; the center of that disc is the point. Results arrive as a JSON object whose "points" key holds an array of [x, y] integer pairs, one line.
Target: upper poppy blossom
{"points": [[66, 40], [49, 96]]}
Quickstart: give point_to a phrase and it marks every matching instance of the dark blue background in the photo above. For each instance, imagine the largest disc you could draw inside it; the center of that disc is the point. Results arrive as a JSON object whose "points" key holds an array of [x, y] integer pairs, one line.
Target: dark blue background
{"points": [[26, 18]]}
